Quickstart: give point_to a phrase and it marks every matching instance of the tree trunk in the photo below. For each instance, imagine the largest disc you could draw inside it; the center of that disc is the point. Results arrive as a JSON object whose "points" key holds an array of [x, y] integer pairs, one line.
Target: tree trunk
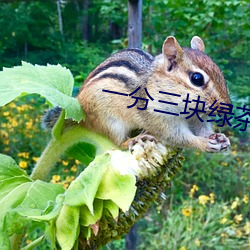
{"points": [[59, 16], [85, 23], [135, 23], [131, 238]]}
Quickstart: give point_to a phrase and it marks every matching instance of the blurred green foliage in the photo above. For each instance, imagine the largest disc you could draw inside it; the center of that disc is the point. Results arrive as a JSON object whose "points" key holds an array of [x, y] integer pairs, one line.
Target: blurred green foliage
{"points": [[30, 32]]}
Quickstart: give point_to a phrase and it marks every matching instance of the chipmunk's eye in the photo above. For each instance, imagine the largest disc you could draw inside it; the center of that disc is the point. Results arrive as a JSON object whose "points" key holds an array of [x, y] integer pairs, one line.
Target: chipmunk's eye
{"points": [[197, 79]]}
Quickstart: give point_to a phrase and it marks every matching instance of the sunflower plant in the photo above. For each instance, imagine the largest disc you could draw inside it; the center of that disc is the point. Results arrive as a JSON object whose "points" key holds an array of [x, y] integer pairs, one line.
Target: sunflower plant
{"points": [[103, 201]]}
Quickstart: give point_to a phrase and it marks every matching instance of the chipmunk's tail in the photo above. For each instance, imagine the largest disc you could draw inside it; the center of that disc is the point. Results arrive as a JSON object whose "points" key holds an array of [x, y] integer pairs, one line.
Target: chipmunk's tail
{"points": [[50, 117]]}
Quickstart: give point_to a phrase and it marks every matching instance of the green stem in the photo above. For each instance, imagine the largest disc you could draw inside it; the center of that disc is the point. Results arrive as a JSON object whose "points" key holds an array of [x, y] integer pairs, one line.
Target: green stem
{"points": [[57, 147]]}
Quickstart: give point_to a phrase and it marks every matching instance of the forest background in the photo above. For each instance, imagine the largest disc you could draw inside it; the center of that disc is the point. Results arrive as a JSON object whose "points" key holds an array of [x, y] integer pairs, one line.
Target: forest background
{"points": [[207, 206]]}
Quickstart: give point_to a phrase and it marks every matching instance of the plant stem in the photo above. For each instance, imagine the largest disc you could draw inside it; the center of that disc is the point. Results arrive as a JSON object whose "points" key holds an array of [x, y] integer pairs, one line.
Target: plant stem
{"points": [[57, 147]]}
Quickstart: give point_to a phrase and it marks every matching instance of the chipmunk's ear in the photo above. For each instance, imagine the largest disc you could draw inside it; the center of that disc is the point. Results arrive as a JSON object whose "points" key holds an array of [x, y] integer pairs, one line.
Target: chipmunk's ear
{"points": [[171, 49], [197, 43]]}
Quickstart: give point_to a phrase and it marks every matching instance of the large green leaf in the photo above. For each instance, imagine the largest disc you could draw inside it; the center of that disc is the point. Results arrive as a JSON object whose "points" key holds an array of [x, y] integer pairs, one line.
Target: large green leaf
{"points": [[10, 201], [83, 189], [39, 194], [118, 188], [67, 226], [83, 152], [22, 198], [53, 82]]}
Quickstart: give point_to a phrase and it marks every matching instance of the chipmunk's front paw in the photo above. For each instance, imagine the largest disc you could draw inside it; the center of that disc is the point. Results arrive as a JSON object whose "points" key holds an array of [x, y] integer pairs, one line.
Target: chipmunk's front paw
{"points": [[217, 142]]}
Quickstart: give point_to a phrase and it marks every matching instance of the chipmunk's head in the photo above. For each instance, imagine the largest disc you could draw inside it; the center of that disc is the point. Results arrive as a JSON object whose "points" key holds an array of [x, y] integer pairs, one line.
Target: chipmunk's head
{"points": [[193, 71]]}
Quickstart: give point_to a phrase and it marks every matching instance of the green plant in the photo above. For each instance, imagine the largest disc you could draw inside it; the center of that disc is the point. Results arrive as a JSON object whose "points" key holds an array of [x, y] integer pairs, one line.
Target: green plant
{"points": [[199, 223], [107, 197]]}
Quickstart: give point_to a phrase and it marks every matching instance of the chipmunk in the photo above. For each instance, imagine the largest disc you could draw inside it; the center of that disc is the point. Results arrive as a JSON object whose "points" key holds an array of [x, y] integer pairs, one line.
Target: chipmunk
{"points": [[168, 78]]}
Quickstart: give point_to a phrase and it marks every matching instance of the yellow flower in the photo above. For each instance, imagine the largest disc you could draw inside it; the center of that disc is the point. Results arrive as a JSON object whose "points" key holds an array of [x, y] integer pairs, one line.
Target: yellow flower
{"points": [[193, 190], [234, 152], [70, 178], [245, 199], [4, 134], [12, 105], [211, 195], [235, 203], [6, 113], [35, 159], [247, 227], [223, 220], [6, 149], [24, 154], [224, 164], [65, 185], [55, 178], [183, 248], [187, 211], [23, 164], [238, 218], [23, 107], [77, 162], [65, 163], [197, 152], [197, 242], [29, 124], [6, 141], [73, 168], [14, 123], [203, 199]]}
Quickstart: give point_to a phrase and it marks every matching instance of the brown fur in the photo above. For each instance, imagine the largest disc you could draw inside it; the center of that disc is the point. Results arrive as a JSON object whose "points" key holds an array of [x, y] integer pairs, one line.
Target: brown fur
{"points": [[123, 72]]}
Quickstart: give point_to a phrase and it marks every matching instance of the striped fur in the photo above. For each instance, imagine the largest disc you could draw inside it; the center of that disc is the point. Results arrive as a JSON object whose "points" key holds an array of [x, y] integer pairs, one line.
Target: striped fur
{"points": [[127, 70]]}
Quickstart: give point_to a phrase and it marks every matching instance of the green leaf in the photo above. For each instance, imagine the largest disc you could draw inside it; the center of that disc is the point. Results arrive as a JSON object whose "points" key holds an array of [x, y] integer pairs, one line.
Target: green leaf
{"points": [[11, 200], [50, 213], [4, 240], [14, 198], [9, 168], [86, 218], [39, 194], [53, 82], [67, 226], [50, 234], [86, 231], [6, 186], [26, 202], [20, 197], [118, 188], [112, 208], [83, 152], [83, 189]]}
